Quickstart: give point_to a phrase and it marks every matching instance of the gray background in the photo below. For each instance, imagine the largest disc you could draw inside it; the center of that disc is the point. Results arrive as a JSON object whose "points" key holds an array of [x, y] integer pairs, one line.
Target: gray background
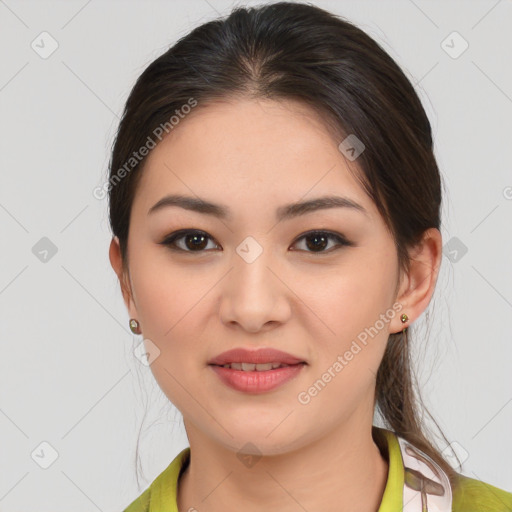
{"points": [[68, 374]]}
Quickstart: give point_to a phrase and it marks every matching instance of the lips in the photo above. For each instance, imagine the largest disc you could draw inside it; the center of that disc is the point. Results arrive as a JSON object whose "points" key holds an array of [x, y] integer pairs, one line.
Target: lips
{"points": [[257, 356]]}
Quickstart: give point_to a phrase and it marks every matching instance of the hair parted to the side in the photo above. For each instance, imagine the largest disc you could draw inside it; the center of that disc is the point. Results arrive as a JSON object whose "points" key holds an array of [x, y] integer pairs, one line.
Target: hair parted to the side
{"points": [[298, 51]]}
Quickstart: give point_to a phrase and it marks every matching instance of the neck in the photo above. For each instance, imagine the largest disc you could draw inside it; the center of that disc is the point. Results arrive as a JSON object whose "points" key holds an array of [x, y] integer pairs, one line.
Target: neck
{"points": [[342, 471]]}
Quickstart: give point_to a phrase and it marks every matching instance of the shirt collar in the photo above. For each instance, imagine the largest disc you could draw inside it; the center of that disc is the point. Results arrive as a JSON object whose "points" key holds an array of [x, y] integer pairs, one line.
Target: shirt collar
{"points": [[392, 499], [164, 487]]}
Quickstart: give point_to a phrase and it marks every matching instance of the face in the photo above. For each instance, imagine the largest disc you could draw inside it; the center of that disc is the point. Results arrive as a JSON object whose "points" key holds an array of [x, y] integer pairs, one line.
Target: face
{"points": [[251, 279]]}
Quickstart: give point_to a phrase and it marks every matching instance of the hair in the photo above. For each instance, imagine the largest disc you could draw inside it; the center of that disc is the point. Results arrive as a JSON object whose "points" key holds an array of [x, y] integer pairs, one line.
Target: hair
{"points": [[295, 51]]}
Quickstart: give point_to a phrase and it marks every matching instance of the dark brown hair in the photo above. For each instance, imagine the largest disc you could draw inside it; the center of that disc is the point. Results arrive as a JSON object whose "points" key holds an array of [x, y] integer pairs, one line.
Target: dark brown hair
{"points": [[297, 51]]}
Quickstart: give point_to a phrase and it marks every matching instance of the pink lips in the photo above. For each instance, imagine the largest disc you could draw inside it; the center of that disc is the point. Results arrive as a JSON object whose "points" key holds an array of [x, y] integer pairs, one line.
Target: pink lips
{"points": [[255, 381]]}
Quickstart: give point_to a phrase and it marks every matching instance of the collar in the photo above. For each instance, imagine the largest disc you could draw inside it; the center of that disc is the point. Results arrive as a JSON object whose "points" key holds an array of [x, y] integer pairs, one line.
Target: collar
{"points": [[418, 470]]}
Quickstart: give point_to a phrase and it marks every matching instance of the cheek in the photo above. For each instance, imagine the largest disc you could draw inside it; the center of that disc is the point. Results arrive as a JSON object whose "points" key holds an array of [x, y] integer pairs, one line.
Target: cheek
{"points": [[348, 353], [350, 311], [167, 295], [351, 297], [170, 304]]}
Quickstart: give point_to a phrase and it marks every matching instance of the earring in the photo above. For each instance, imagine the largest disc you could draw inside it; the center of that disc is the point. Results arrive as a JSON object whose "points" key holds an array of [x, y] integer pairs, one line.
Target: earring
{"points": [[404, 319], [134, 326]]}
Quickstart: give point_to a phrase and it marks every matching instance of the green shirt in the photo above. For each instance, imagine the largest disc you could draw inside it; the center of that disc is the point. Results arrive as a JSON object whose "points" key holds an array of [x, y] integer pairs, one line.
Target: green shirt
{"points": [[469, 494]]}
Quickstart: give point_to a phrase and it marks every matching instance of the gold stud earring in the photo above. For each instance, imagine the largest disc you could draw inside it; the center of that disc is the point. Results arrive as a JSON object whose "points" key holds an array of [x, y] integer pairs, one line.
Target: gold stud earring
{"points": [[404, 319], [134, 326]]}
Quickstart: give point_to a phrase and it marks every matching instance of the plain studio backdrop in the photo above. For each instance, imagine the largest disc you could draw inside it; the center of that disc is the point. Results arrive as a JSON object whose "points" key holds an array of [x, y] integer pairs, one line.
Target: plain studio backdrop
{"points": [[72, 391]]}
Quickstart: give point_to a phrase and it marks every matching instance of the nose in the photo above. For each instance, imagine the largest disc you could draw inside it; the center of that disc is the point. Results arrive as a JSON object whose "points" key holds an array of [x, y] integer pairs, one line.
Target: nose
{"points": [[254, 296]]}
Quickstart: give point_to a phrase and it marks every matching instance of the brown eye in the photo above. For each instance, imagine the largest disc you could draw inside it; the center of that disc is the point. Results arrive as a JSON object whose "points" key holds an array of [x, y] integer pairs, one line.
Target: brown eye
{"points": [[193, 241], [317, 241]]}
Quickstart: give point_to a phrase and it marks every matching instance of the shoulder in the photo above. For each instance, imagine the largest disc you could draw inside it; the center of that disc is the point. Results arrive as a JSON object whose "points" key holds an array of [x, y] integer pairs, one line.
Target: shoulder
{"points": [[472, 495], [163, 490], [141, 504]]}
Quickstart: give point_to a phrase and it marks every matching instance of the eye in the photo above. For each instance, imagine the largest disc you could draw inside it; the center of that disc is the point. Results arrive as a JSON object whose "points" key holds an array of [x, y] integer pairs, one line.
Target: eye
{"points": [[320, 239], [193, 238], [196, 240]]}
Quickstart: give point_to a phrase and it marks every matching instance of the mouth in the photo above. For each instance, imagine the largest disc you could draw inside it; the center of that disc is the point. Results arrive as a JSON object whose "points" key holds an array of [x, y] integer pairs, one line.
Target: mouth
{"points": [[260, 370], [261, 367]]}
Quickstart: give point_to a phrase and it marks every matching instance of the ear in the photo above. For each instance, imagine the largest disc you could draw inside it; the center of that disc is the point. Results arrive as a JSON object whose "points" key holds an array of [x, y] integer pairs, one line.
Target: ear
{"points": [[418, 285], [116, 261]]}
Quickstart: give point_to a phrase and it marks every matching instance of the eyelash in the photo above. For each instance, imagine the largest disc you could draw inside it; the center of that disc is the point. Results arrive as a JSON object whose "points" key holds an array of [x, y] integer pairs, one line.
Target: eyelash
{"points": [[170, 240]]}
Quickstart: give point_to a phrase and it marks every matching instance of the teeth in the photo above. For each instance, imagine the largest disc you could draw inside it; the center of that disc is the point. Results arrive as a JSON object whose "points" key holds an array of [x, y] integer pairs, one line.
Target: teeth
{"points": [[250, 367]]}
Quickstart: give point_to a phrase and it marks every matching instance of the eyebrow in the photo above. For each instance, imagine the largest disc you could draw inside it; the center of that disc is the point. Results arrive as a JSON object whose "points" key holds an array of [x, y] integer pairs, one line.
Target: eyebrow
{"points": [[282, 213]]}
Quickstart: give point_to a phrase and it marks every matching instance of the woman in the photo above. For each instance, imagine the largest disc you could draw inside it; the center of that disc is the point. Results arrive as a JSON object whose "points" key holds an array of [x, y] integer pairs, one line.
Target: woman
{"points": [[275, 205]]}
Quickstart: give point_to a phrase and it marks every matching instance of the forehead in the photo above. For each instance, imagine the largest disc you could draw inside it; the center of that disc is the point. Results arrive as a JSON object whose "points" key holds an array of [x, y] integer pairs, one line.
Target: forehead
{"points": [[248, 150]]}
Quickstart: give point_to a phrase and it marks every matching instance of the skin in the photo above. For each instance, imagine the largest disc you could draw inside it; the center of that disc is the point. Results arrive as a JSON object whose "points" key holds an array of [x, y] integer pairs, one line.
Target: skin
{"points": [[254, 156]]}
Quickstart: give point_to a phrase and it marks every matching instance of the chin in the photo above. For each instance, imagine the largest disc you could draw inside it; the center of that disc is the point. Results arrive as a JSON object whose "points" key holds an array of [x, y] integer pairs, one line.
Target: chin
{"points": [[257, 441]]}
